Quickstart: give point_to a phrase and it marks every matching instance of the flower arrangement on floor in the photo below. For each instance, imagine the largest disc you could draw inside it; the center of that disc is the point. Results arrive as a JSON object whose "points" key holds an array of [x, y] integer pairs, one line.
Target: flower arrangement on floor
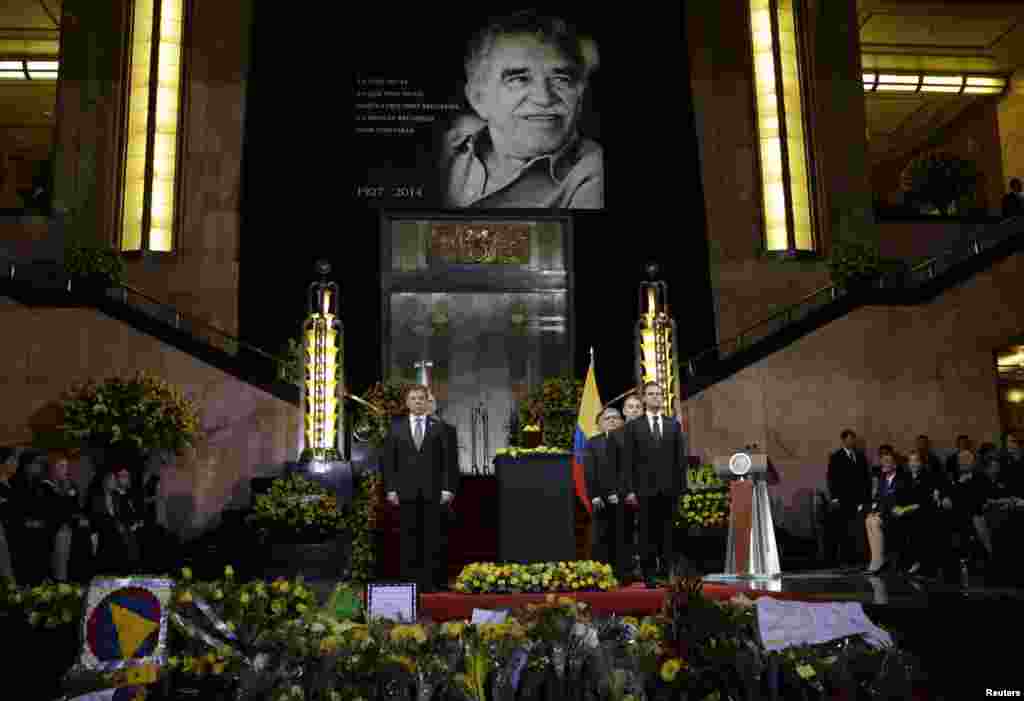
{"points": [[297, 510], [552, 407], [704, 509], [272, 640], [707, 503], [143, 410], [539, 450], [488, 578]]}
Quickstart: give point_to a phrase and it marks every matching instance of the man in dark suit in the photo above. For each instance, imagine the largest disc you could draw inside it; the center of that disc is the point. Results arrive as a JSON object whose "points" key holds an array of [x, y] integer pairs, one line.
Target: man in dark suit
{"points": [[601, 476], [963, 442], [416, 472], [849, 487], [931, 461], [654, 462], [625, 526], [454, 475]]}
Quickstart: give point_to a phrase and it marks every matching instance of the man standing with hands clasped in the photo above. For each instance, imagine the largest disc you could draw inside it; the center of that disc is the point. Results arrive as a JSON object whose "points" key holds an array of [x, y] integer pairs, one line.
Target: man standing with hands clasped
{"points": [[654, 454], [416, 473]]}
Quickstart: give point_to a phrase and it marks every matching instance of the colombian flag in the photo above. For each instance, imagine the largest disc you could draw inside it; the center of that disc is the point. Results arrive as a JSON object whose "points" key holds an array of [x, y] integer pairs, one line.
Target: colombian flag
{"points": [[586, 427]]}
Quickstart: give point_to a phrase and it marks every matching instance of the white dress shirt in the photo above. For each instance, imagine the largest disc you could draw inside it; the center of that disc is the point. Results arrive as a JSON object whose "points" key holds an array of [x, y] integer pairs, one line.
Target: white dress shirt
{"points": [[661, 422], [446, 496]]}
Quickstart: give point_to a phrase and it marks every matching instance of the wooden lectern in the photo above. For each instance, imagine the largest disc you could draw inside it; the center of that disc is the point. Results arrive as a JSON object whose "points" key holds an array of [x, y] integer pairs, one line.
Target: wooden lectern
{"points": [[751, 549]]}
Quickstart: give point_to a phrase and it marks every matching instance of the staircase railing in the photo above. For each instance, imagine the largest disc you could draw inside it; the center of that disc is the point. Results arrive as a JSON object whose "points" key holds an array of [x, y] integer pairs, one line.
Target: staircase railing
{"points": [[214, 345], [981, 238]]}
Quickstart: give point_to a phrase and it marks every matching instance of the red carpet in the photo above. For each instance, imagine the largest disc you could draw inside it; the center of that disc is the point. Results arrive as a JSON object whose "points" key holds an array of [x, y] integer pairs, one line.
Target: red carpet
{"points": [[635, 600]]}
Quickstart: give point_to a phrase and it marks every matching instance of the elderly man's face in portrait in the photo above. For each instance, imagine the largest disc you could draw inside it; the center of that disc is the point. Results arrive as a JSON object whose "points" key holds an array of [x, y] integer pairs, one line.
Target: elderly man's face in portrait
{"points": [[530, 96]]}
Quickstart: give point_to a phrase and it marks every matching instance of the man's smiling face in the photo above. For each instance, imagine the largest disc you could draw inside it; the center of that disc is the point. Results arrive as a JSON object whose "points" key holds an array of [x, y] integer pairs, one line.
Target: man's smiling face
{"points": [[530, 96]]}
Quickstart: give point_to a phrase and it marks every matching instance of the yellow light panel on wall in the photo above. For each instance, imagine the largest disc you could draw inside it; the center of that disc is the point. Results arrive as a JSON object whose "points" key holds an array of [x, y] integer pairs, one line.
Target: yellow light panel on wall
{"points": [[151, 163], [784, 159]]}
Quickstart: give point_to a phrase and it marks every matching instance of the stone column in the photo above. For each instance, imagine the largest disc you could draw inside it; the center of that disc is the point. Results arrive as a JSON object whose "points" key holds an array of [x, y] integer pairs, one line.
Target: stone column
{"points": [[1011, 128]]}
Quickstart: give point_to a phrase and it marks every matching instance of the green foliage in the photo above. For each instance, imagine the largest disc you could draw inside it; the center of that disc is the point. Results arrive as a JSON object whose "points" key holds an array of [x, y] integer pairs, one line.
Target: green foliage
{"points": [[85, 260], [143, 410], [308, 456], [387, 396], [940, 179], [360, 521], [553, 407], [853, 261], [297, 510], [291, 364]]}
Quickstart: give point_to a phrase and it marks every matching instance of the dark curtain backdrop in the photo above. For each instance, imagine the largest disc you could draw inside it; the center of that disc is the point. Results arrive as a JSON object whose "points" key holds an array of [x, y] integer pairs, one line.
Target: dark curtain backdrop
{"points": [[303, 164]]}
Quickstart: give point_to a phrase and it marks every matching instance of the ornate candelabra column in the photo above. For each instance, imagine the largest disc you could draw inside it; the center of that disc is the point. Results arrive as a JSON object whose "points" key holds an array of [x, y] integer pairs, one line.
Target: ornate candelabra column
{"points": [[657, 359], [324, 376]]}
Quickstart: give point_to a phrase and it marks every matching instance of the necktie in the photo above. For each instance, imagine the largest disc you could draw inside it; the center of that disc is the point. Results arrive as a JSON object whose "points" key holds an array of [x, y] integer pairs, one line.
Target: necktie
{"points": [[419, 432], [657, 428]]}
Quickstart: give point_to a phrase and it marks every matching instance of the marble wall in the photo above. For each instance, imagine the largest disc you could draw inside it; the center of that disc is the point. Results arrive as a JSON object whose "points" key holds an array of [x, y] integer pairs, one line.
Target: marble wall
{"points": [[748, 287], [248, 432], [888, 373]]}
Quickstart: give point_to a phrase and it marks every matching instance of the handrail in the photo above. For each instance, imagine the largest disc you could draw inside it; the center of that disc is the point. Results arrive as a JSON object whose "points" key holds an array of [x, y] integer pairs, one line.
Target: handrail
{"points": [[975, 244], [194, 320], [182, 320]]}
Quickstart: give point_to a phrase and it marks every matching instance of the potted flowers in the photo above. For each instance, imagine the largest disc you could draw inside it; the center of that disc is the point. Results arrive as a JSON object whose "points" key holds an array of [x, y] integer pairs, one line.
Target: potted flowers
{"points": [[300, 522], [531, 436], [853, 264], [142, 412], [940, 179], [93, 269]]}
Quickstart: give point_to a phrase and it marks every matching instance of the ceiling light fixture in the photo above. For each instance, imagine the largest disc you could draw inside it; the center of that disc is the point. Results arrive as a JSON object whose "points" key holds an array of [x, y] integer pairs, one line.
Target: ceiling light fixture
{"points": [[29, 69], [934, 83]]}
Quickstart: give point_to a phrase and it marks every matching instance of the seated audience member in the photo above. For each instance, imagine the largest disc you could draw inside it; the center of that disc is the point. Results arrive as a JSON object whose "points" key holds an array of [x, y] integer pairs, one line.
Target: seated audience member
{"points": [[953, 461], [67, 525], [8, 466], [919, 524], [879, 520], [962, 503], [116, 548], [985, 451], [33, 543], [1013, 465], [1012, 203], [930, 460]]}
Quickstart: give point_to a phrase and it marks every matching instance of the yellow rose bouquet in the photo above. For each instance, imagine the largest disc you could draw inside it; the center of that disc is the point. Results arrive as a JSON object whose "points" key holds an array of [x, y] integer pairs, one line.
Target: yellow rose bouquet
{"points": [[509, 578]]}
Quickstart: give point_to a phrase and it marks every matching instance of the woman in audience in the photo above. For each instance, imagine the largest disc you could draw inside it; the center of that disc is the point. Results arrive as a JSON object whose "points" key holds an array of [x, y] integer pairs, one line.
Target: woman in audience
{"points": [[879, 521], [8, 466], [66, 521], [117, 550], [919, 523], [1013, 465], [32, 542]]}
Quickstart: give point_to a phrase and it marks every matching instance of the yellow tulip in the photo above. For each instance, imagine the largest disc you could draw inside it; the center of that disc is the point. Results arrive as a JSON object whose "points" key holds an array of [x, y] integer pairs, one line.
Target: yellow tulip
{"points": [[670, 669]]}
